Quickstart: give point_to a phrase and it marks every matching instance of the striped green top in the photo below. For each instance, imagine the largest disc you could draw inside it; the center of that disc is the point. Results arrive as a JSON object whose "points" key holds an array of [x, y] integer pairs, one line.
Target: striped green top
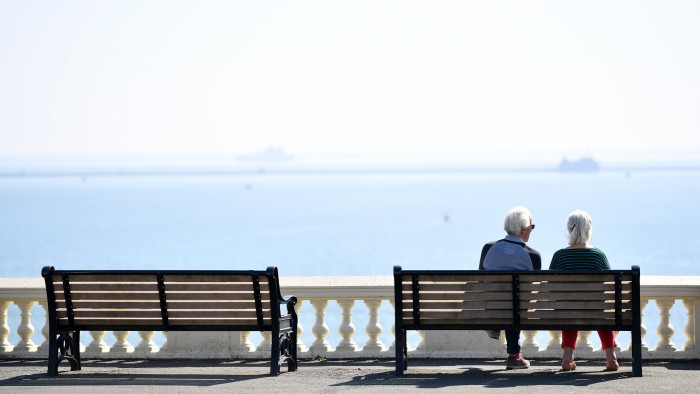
{"points": [[579, 259]]}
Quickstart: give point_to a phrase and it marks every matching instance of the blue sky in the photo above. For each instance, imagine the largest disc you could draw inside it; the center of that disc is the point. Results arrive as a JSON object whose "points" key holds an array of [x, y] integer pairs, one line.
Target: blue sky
{"points": [[159, 77]]}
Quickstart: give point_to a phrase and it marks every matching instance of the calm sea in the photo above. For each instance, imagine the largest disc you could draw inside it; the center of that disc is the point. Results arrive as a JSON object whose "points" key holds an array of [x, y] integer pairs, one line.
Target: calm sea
{"points": [[338, 224]]}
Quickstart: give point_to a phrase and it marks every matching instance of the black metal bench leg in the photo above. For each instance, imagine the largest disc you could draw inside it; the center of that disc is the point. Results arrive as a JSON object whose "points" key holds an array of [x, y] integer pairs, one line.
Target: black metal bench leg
{"points": [[292, 363], [405, 352], [75, 351], [275, 357], [400, 351], [636, 351], [53, 354]]}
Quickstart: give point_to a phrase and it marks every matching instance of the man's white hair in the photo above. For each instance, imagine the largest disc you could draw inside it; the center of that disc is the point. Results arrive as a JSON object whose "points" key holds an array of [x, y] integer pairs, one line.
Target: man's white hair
{"points": [[516, 220]]}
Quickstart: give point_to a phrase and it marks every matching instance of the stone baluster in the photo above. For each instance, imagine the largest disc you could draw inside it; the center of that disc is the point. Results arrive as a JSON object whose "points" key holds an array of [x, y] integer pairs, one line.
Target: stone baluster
{"points": [[122, 345], [642, 328], [554, 343], [247, 345], [165, 348], [665, 330], [301, 347], [689, 331], [25, 329], [44, 348], [583, 344], [265, 345], [421, 344], [530, 343], [97, 345], [146, 346], [373, 329], [393, 330], [346, 329], [5, 346], [320, 329]]}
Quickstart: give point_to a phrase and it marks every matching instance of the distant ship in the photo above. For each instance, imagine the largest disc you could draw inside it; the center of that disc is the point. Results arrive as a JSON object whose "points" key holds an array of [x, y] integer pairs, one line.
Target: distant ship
{"points": [[585, 164]]}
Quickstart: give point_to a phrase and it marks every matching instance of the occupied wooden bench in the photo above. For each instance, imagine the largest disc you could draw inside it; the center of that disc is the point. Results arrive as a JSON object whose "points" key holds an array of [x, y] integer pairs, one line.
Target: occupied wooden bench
{"points": [[167, 301], [517, 300]]}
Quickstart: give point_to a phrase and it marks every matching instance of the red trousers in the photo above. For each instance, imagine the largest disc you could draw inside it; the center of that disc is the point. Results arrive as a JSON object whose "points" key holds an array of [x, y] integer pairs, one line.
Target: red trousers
{"points": [[568, 339]]}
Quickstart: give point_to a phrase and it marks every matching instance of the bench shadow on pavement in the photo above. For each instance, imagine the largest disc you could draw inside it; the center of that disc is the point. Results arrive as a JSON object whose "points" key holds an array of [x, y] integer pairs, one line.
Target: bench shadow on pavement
{"points": [[136, 373], [493, 375]]}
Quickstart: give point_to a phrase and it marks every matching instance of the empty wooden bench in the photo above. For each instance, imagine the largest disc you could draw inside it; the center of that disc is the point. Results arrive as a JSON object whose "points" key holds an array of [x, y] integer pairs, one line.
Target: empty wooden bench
{"points": [[167, 301], [517, 300]]}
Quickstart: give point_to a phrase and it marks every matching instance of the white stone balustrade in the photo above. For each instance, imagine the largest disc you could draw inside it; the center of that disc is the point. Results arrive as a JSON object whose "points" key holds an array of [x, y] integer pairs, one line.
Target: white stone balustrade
{"points": [[5, 345], [331, 326]]}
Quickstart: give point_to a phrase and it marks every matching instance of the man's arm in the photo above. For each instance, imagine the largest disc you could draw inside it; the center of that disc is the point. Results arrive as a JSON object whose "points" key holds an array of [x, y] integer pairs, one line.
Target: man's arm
{"points": [[535, 258], [485, 250]]}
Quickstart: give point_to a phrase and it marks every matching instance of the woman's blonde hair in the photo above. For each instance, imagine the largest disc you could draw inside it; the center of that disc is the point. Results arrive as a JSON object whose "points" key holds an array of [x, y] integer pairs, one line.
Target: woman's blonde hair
{"points": [[580, 227]]}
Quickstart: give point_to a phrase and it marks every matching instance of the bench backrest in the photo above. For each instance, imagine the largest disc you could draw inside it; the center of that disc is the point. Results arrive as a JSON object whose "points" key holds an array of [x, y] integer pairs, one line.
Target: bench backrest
{"points": [[163, 300], [517, 299]]}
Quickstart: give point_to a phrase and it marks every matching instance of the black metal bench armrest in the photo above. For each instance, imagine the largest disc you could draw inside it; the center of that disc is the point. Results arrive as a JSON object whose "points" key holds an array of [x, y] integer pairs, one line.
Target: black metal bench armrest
{"points": [[290, 302]]}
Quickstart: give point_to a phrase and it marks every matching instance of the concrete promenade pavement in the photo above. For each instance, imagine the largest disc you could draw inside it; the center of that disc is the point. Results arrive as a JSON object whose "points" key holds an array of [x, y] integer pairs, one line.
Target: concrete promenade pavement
{"points": [[214, 376]]}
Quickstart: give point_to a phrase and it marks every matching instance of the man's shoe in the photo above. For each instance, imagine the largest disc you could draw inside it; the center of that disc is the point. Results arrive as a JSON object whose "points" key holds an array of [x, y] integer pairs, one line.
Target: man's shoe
{"points": [[495, 334], [516, 362]]}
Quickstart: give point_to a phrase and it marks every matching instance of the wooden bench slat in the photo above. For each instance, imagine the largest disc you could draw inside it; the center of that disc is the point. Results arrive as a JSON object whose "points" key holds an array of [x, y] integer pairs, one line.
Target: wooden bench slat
{"points": [[459, 304], [151, 277], [214, 296], [173, 313], [156, 323], [122, 313], [218, 286], [152, 304], [585, 286], [465, 314], [178, 304], [579, 323], [115, 278], [212, 304], [153, 286], [495, 296], [101, 295], [217, 321], [564, 296], [540, 276], [597, 304], [112, 322], [565, 315], [525, 276], [544, 277], [457, 322], [151, 296], [465, 287], [132, 321], [187, 313], [131, 287], [459, 278], [201, 278]]}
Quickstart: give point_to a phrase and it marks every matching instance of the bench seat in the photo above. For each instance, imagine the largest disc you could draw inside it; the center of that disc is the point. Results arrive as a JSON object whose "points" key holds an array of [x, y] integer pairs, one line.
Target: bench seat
{"points": [[517, 300], [167, 301]]}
